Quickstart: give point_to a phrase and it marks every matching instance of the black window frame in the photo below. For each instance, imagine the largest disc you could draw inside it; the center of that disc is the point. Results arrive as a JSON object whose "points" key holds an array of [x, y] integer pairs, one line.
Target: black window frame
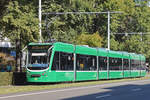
{"points": [[63, 61], [126, 64], [102, 63], [115, 63], [86, 62], [135, 64]]}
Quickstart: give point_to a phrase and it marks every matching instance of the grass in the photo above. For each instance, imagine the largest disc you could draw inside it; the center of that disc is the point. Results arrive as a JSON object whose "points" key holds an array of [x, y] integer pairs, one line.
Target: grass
{"points": [[27, 88], [6, 78]]}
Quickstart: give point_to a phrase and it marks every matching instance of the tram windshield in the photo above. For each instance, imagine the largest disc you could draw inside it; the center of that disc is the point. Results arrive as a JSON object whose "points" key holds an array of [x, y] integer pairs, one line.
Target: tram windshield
{"points": [[38, 59]]}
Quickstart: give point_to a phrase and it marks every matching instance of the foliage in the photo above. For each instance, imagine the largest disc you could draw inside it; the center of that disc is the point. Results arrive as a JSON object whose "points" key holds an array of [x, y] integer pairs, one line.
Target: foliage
{"points": [[20, 19], [6, 78], [21, 16], [12, 78], [134, 44], [92, 40], [3, 4], [69, 26], [3, 60]]}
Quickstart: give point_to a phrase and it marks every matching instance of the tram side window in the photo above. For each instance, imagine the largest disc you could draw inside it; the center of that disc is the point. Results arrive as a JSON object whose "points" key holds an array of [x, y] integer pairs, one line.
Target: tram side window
{"points": [[92, 62], [134, 64], [49, 56], [102, 63], [55, 65], [86, 62], [62, 61], [115, 63], [119, 63], [111, 63], [138, 65], [143, 65], [126, 64]]}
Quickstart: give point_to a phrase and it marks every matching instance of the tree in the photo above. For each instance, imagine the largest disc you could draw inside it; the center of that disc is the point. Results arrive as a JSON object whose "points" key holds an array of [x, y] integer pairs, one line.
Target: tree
{"points": [[133, 19], [64, 25], [114, 44], [93, 40], [3, 4], [134, 44], [20, 18]]}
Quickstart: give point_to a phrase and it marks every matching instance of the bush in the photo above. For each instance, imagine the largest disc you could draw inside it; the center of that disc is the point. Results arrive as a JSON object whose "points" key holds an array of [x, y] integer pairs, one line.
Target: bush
{"points": [[5, 60], [6, 78], [12, 78]]}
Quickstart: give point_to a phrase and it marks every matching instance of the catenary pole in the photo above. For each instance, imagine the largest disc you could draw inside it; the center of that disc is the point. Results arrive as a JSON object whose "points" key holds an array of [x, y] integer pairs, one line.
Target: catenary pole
{"points": [[108, 30], [40, 18]]}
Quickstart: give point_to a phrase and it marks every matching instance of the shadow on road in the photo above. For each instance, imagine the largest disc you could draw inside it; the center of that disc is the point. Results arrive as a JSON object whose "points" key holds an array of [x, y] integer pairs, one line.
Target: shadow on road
{"points": [[123, 92]]}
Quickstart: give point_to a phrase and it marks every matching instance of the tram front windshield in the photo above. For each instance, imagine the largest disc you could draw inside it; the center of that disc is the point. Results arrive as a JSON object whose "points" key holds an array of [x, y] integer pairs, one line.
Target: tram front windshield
{"points": [[38, 59]]}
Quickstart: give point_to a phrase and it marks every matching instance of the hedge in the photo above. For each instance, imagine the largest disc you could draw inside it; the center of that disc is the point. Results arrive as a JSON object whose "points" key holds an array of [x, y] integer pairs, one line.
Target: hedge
{"points": [[12, 78], [6, 78]]}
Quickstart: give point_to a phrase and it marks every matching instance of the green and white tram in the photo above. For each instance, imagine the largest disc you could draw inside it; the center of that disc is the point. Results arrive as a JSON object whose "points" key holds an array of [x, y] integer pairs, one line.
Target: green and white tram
{"points": [[60, 62]]}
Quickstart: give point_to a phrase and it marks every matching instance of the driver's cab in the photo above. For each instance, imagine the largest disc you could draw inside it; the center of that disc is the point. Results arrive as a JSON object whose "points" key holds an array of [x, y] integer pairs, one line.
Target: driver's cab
{"points": [[38, 56]]}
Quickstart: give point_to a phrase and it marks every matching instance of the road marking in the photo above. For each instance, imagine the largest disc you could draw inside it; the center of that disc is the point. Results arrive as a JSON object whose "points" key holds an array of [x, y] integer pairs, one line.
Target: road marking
{"points": [[78, 88], [107, 95], [137, 89]]}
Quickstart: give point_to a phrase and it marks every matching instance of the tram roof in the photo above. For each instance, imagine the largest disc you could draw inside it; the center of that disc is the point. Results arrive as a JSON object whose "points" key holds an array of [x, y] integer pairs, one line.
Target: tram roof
{"points": [[83, 49], [125, 55], [115, 54], [134, 56], [63, 47], [142, 57], [102, 52]]}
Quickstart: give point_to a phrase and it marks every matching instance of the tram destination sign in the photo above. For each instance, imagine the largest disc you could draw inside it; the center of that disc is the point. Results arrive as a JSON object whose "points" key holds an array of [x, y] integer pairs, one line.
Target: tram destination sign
{"points": [[38, 47]]}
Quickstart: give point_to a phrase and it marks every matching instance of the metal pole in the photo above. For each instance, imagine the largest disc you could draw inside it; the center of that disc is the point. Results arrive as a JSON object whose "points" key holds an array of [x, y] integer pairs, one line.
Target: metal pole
{"points": [[108, 30], [140, 67], [130, 66], [40, 18], [62, 13], [108, 43], [122, 67], [97, 67], [108, 65], [97, 64], [74, 64]]}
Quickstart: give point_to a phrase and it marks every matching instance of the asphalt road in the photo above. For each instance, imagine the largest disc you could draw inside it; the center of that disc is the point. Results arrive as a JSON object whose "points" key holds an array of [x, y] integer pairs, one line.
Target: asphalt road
{"points": [[135, 90]]}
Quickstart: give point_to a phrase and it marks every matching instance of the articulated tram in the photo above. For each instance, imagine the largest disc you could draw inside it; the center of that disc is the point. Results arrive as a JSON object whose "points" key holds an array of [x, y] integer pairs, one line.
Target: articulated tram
{"points": [[60, 62]]}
